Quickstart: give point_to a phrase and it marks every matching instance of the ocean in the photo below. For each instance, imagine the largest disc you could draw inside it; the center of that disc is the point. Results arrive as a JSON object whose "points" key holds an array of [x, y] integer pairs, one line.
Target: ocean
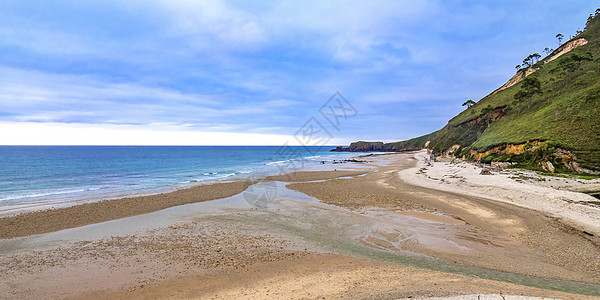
{"points": [[49, 175]]}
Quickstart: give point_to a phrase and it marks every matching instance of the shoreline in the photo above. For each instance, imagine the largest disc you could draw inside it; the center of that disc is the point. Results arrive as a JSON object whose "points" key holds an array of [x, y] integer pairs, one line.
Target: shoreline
{"points": [[52, 220], [522, 240], [85, 192], [565, 198], [363, 207]]}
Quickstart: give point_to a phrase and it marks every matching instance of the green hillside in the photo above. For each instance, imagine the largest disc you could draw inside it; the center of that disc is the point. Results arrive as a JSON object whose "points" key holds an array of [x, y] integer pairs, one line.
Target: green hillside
{"points": [[553, 111], [566, 113]]}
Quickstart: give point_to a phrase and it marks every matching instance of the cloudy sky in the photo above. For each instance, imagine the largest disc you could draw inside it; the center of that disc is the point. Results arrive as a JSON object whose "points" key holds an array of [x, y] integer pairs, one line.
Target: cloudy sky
{"points": [[253, 72]]}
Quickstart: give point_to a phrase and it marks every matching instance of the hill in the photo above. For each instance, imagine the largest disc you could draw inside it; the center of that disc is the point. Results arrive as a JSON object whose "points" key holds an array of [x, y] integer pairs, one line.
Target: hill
{"points": [[547, 116]]}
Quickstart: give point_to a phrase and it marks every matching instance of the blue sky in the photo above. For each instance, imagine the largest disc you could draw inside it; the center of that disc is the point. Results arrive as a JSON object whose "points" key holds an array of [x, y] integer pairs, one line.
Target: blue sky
{"points": [[207, 71]]}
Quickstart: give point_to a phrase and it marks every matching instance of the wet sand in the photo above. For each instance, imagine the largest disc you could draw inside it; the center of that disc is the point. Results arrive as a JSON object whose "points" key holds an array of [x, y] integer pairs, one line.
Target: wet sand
{"points": [[520, 240], [132, 262], [211, 259], [294, 248], [51, 220], [303, 176], [327, 276]]}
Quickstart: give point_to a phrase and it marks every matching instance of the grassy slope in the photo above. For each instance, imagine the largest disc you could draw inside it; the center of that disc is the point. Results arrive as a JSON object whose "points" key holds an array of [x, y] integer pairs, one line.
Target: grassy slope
{"points": [[415, 143], [567, 113]]}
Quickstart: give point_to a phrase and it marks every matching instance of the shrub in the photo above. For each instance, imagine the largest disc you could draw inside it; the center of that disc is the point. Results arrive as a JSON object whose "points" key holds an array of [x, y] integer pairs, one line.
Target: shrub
{"points": [[488, 158]]}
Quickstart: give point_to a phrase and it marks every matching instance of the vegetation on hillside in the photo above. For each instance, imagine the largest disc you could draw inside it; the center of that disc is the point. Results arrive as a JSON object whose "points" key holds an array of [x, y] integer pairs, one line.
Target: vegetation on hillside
{"points": [[558, 103]]}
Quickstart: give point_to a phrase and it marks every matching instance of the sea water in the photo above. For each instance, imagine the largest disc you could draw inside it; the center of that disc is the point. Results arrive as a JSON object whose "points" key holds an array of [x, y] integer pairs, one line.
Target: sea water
{"points": [[48, 175]]}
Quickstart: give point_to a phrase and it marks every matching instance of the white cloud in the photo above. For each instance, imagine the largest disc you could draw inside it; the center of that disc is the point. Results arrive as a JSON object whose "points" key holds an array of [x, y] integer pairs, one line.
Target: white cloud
{"points": [[38, 96], [205, 23], [26, 133]]}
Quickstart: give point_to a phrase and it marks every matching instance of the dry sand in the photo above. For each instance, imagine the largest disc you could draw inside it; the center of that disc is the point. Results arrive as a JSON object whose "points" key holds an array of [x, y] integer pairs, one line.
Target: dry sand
{"points": [[132, 262], [519, 239], [222, 259], [327, 276], [554, 195]]}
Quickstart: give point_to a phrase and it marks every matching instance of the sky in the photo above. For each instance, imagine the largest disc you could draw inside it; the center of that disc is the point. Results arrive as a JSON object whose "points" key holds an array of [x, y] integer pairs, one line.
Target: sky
{"points": [[184, 72]]}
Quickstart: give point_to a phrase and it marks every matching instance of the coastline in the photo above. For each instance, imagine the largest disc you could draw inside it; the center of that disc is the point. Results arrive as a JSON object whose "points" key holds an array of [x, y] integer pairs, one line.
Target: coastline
{"points": [[560, 197], [522, 240], [38, 178], [360, 207], [51, 220]]}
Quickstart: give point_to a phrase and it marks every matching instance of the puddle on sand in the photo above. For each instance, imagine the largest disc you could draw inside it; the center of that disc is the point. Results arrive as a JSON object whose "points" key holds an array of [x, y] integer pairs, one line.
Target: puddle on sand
{"points": [[341, 231], [431, 217], [270, 207]]}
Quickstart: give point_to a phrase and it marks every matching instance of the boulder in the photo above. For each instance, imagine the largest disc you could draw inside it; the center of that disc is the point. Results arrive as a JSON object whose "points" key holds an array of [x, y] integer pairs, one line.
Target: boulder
{"points": [[547, 166], [574, 166], [485, 171], [501, 164]]}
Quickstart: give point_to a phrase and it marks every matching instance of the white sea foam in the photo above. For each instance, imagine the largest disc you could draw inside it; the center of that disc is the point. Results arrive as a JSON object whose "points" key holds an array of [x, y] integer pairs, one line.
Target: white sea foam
{"points": [[44, 194]]}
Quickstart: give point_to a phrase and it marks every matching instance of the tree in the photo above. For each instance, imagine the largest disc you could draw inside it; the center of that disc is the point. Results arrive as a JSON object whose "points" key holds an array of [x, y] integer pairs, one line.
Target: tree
{"points": [[560, 37], [530, 87], [531, 59], [527, 62], [548, 50], [469, 103], [518, 67], [571, 63]]}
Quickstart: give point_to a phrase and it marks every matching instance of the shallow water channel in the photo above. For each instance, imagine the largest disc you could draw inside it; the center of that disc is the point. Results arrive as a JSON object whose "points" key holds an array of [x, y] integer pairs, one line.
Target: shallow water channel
{"points": [[271, 208]]}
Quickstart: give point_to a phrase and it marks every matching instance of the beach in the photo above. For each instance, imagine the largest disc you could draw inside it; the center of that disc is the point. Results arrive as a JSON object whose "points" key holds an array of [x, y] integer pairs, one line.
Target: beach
{"points": [[388, 227]]}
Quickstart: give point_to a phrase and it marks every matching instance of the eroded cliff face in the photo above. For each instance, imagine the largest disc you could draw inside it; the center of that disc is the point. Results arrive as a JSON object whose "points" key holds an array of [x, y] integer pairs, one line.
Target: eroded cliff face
{"points": [[559, 156], [565, 48], [362, 147], [521, 74], [518, 77], [377, 147], [503, 149], [488, 118]]}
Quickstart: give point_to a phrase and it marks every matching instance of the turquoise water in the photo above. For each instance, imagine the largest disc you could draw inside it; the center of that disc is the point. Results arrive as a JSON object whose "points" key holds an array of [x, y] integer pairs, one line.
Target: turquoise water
{"points": [[38, 174]]}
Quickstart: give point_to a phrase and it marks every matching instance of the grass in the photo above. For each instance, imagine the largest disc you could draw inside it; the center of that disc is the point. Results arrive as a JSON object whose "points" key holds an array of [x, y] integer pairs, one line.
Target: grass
{"points": [[567, 113], [576, 176]]}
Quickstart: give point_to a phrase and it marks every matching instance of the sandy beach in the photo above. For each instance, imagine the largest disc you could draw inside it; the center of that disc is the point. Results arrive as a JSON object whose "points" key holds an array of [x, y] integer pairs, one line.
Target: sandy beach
{"points": [[389, 228]]}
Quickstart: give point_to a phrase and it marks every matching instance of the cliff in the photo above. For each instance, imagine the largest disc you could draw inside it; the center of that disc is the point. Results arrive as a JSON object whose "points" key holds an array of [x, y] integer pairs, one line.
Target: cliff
{"points": [[560, 124], [408, 145]]}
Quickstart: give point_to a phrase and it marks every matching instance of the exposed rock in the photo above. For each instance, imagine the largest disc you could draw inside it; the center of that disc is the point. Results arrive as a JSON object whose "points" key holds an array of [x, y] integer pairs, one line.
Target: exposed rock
{"points": [[501, 164], [547, 166], [504, 149], [574, 166], [361, 146], [452, 149], [565, 48], [485, 171], [487, 118]]}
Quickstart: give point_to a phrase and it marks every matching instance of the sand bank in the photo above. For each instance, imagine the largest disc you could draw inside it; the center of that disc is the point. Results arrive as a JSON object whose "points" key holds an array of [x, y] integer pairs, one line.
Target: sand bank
{"points": [[51, 220], [328, 276], [293, 246], [520, 240], [559, 197]]}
